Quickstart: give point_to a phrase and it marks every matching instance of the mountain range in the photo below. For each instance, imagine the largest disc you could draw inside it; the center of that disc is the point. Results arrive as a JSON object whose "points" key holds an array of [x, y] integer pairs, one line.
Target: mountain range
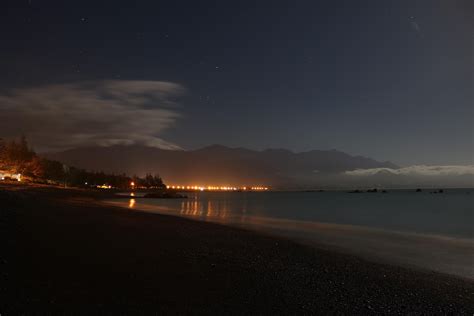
{"points": [[221, 165]]}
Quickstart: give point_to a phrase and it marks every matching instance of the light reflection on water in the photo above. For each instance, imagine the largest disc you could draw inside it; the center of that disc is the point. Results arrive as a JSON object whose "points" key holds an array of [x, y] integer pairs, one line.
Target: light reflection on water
{"points": [[216, 209]]}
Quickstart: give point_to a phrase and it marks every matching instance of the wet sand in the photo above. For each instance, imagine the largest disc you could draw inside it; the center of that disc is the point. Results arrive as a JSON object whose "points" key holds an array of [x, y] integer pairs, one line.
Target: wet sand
{"points": [[64, 252]]}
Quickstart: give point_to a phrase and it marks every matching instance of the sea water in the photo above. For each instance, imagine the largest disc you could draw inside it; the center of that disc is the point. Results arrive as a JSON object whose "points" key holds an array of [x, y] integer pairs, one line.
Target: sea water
{"points": [[423, 229]]}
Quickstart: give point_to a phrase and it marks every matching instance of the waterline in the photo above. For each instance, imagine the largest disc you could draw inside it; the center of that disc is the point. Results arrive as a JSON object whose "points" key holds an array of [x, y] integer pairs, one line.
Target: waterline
{"points": [[441, 253]]}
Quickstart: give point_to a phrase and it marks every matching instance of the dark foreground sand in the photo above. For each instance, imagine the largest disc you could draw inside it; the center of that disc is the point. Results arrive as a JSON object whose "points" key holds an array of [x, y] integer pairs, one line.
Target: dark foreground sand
{"points": [[63, 252]]}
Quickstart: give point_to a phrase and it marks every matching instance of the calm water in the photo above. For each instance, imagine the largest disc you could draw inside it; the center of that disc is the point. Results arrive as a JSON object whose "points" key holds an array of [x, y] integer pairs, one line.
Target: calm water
{"points": [[434, 231], [448, 214]]}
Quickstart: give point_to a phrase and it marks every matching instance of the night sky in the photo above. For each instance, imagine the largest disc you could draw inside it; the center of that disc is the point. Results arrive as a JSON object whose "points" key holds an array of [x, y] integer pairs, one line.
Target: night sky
{"points": [[392, 80]]}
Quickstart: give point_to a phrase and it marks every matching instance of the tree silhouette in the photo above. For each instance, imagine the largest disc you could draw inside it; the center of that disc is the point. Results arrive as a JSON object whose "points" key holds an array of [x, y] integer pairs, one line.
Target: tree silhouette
{"points": [[18, 157]]}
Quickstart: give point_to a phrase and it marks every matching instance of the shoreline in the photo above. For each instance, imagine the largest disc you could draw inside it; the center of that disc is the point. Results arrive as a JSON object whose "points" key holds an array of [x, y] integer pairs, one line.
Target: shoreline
{"points": [[425, 252], [67, 252], [339, 240]]}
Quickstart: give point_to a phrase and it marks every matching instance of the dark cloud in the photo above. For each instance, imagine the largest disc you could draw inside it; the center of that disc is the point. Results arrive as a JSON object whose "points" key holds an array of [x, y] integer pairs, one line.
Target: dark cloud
{"points": [[91, 113]]}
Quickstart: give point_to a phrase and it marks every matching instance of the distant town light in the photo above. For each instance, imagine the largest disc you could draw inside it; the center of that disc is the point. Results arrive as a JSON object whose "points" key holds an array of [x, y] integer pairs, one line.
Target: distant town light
{"points": [[104, 186], [217, 188]]}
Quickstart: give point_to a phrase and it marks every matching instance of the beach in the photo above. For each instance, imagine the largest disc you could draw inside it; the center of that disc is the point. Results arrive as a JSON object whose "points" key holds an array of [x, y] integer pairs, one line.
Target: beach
{"points": [[67, 252], [402, 227]]}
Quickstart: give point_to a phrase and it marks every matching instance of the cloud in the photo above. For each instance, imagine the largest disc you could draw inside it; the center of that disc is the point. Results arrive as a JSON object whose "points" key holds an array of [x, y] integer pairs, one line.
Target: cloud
{"points": [[418, 170], [110, 112], [415, 26]]}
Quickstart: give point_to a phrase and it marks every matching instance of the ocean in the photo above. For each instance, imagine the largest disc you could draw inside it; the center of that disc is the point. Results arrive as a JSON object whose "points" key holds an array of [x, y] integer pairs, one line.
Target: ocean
{"points": [[427, 230]]}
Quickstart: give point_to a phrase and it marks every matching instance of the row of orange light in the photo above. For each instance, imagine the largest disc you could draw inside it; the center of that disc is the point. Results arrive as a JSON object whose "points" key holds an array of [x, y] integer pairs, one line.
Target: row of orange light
{"points": [[259, 188], [185, 187], [214, 188]]}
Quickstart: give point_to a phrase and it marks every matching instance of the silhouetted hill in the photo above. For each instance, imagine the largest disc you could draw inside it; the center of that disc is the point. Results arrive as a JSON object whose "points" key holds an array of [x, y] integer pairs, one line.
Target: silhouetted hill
{"points": [[219, 165]]}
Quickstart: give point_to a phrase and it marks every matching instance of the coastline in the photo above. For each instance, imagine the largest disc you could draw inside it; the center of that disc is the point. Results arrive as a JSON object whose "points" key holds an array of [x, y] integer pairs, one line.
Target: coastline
{"points": [[440, 253], [65, 251]]}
